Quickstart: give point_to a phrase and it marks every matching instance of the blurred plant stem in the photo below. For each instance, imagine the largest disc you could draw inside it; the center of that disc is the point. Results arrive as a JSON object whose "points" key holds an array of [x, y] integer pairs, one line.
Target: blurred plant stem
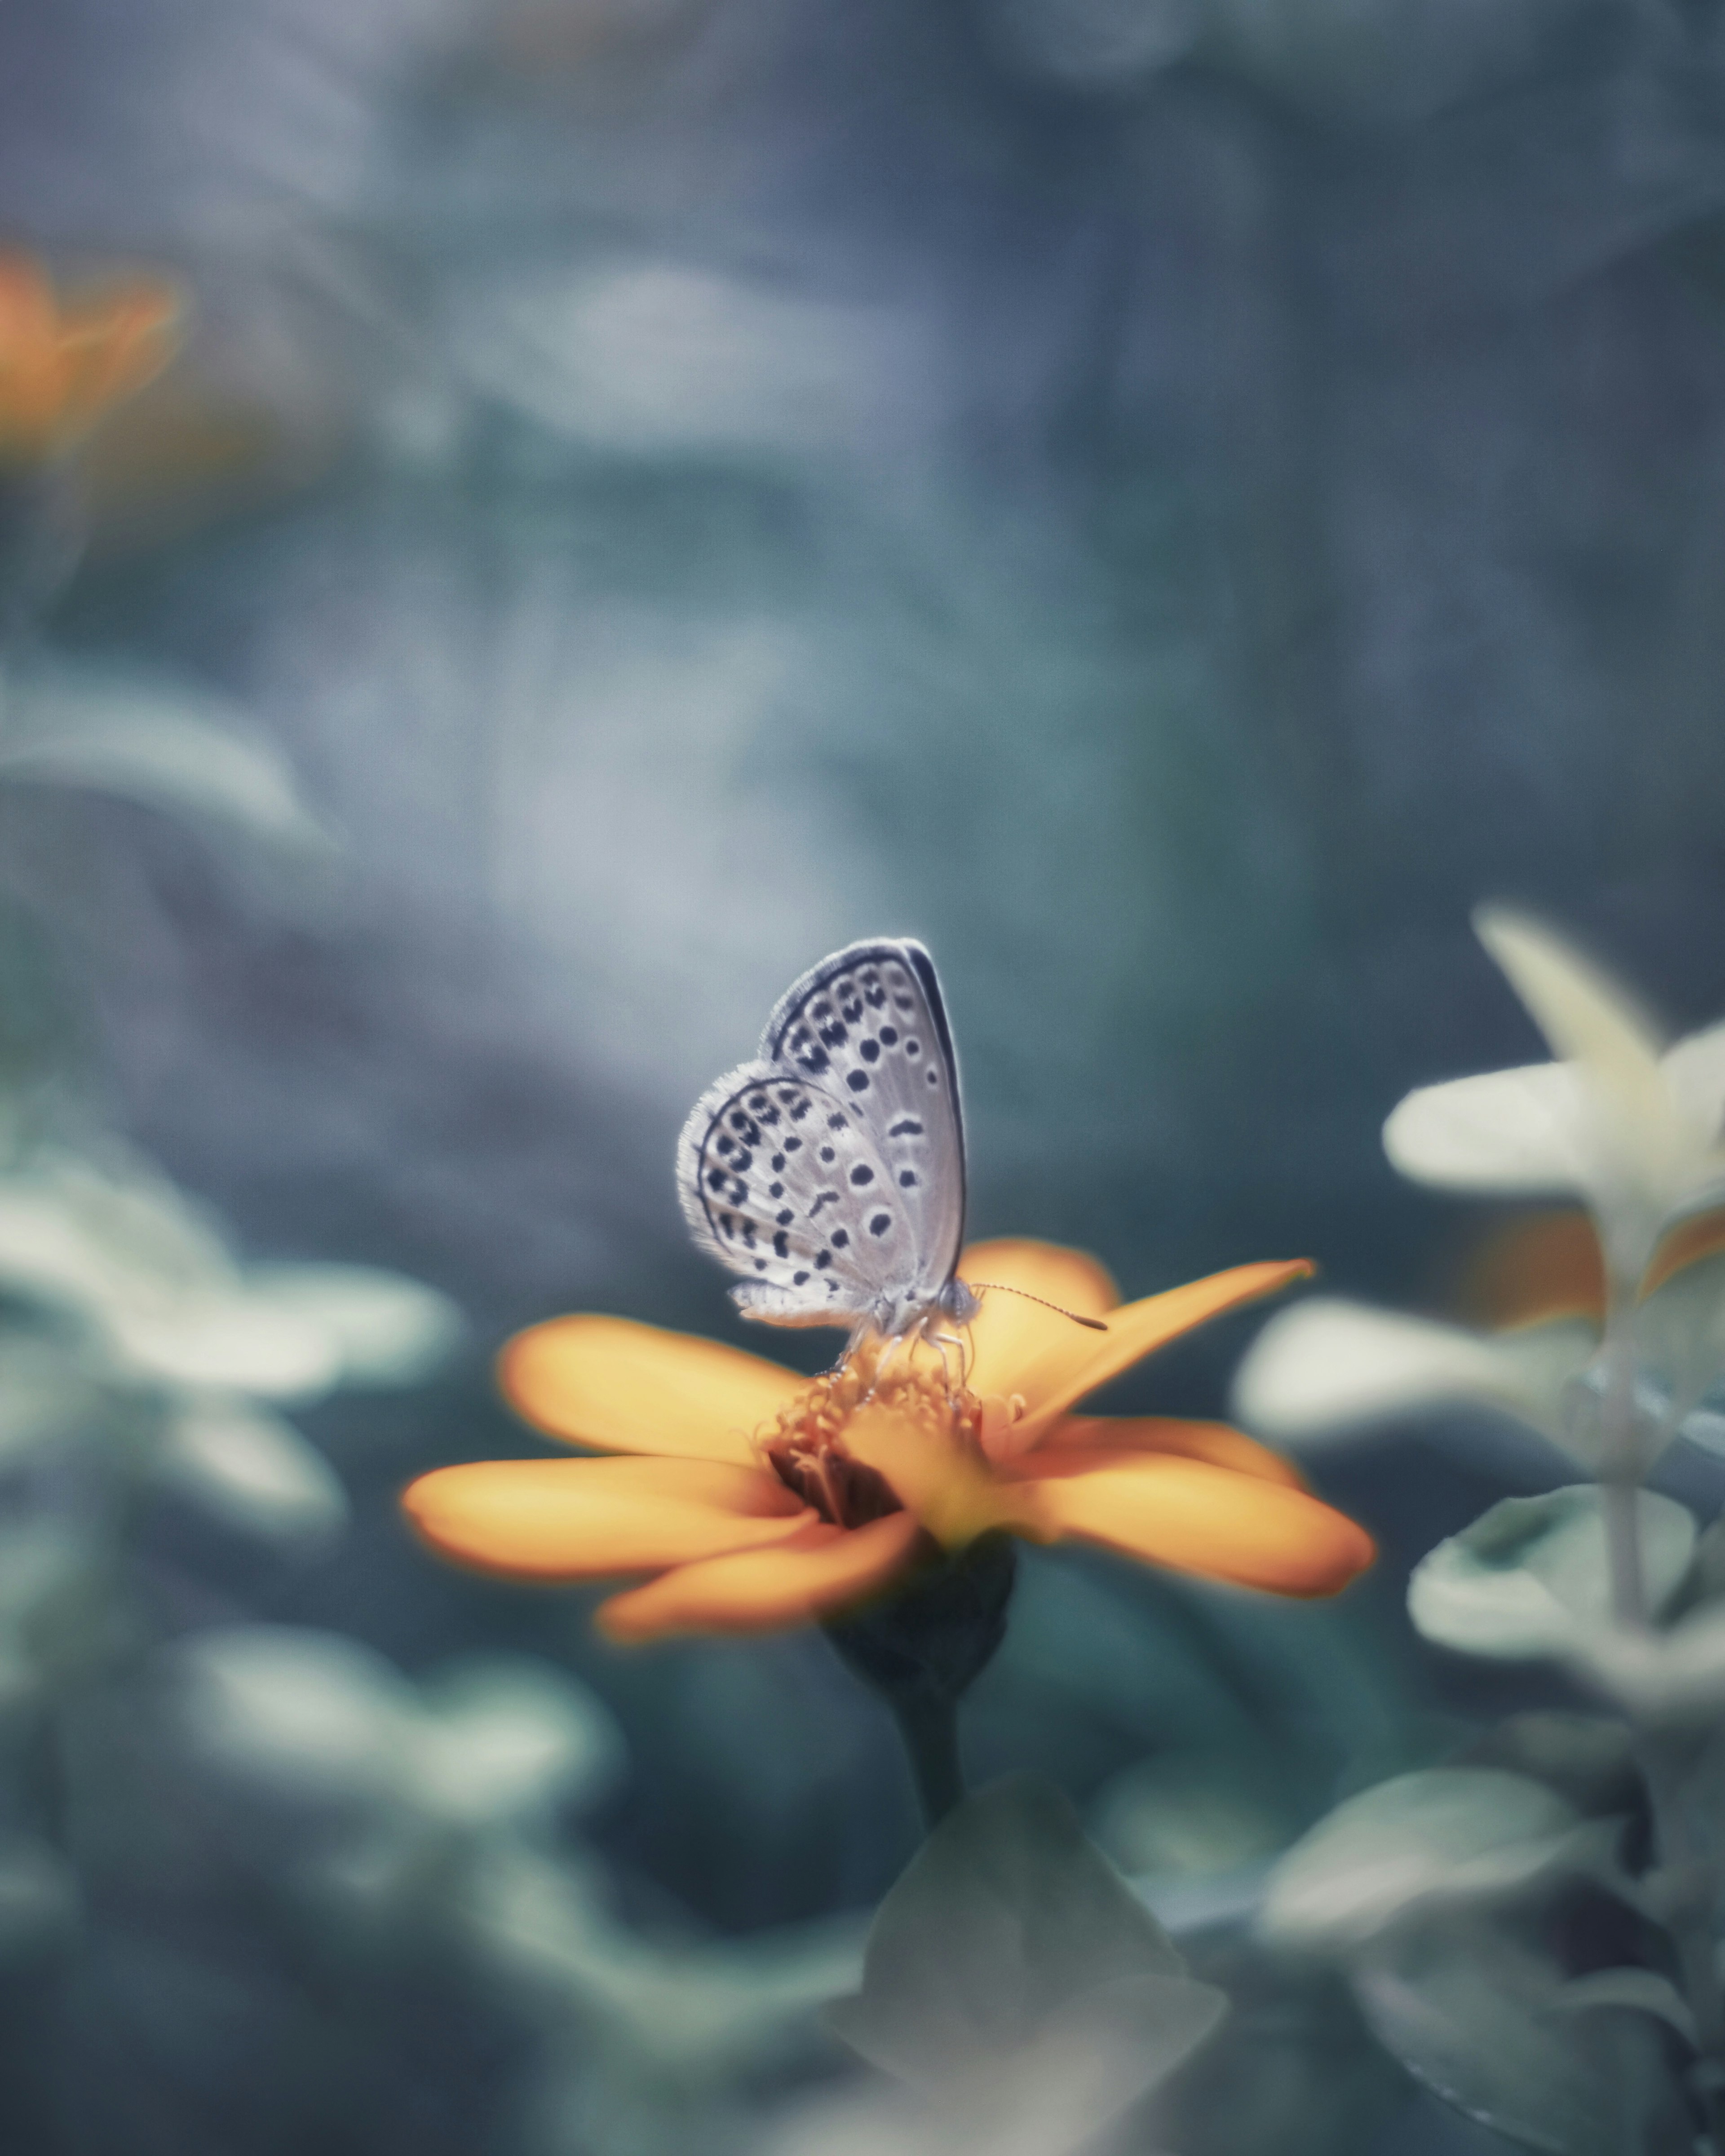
{"points": [[921, 1649], [1686, 1880], [930, 1730], [42, 537], [1620, 1478]]}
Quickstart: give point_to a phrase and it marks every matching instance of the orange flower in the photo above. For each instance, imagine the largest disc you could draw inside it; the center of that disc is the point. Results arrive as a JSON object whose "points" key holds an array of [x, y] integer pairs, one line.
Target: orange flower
{"points": [[63, 364], [759, 1499]]}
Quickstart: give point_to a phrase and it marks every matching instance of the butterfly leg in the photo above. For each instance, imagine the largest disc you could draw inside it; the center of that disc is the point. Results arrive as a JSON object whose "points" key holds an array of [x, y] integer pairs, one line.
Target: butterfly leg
{"points": [[883, 1363], [941, 1342]]}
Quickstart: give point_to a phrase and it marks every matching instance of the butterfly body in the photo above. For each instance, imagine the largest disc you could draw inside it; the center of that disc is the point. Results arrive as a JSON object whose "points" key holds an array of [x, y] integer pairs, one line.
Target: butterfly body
{"points": [[829, 1170]]}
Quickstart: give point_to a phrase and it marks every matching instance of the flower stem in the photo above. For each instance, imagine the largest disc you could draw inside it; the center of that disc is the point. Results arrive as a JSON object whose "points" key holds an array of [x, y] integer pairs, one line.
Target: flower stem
{"points": [[1619, 1481], [928, 1723], [920, 1648], [1688, 1875], [1623, 1550]]}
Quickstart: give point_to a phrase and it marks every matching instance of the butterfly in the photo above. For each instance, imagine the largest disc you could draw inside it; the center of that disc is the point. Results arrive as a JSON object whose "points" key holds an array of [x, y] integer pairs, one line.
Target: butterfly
{"points": [[830, 1171]]}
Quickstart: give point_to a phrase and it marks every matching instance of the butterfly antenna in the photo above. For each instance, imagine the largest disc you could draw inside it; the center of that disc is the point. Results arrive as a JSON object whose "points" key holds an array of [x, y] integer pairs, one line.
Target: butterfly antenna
{"points": [[1094, 1324]]}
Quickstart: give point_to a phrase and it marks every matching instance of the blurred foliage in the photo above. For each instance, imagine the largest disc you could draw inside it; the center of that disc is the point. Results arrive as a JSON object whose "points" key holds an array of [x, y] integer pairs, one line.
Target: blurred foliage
{"points": [[1167, 500]]}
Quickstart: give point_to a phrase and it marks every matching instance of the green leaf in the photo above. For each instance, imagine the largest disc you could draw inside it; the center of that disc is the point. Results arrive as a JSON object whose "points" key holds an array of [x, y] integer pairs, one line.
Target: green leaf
{"points": [[1490, 2024], [1448, 1833], [1012, 1969], [1531, 1577]]}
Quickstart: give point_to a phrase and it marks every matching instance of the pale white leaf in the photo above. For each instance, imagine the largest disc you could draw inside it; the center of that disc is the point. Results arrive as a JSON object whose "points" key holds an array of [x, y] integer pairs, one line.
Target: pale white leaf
{"points": [[230, 1343], [1447, 1833], [1515, 1131], [383, 1328], [1694, 1072], [1533, 1572], [1643, 1988], [1586, 1016], [252, 1468], [303, 1713], [1329, 1366], [1677, 1676], [503, 1735], [1680, 1332], [162, 742]]}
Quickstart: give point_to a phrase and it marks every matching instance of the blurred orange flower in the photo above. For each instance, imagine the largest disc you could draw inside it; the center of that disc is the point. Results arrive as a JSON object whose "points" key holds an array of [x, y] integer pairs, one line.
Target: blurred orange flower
{"points": [[759, 1499], [64, 363]]}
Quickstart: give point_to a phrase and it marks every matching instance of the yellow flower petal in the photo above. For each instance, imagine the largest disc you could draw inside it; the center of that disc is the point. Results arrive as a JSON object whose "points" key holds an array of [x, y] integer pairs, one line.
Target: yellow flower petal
{"points": [[1067, 1369], [1197, 1517], [1008, 1333], [621, 1387], [587, 1519], [1100, 1439], [798, 1582], [932, 1474]]}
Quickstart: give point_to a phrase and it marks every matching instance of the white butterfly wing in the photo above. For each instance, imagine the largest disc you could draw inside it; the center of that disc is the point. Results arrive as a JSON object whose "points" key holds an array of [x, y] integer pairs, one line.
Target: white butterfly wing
{"points": [[830, 1171]]}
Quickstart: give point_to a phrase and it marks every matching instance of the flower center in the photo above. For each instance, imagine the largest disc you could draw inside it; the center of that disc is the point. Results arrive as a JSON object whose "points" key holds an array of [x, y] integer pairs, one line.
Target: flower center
{"points": [[807, 1451]]}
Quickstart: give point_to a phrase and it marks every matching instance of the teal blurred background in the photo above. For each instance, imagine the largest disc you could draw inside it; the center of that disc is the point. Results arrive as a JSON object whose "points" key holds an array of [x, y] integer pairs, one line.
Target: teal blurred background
{"points": [[1170, 502]]}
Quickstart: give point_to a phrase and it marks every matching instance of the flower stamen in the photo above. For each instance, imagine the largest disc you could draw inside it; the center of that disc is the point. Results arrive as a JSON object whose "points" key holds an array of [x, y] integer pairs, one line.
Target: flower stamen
{"points": [[806, 1448]]}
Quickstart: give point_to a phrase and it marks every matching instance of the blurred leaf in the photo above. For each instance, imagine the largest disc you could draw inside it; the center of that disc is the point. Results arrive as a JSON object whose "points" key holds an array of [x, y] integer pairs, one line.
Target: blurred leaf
{"points": [[1292, 2071], [55, 1600], [1448, 1833], [1187, 1816], [1530, 1575], [1706, 1429], [1587, 1759], [1680, 1333], [232, 1342], [1633, 1131], [73, 1232], [311, 1714], [113, 1240], [165, 743], [691, 2013], [252, 1468], [1327, 1366], [1012, 1976], [1096, 44], [1584, 1015], [1676, 1676], [659, 358], [386, 1329], [1643, 1988], [1483, 2019], [44, 1396], [1510, 1131], [504, 1736], [40, 1898]]}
